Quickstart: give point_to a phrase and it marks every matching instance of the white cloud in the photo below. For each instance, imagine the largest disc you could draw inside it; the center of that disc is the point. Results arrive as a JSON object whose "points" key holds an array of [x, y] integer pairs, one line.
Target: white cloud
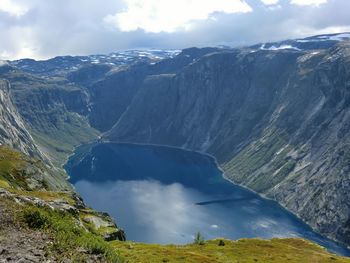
{"points": [[31, 34], [12, 8], [169, 16], [270, 2], [309, 2]]}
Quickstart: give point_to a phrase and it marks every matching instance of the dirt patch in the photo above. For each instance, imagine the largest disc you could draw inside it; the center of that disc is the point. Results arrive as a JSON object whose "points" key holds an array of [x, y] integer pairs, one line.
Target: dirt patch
{"points": [[18, 244]]}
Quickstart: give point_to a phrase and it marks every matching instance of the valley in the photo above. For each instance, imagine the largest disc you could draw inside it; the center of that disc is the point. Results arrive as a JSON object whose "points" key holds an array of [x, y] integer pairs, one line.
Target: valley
{"points": [[275, 116]]}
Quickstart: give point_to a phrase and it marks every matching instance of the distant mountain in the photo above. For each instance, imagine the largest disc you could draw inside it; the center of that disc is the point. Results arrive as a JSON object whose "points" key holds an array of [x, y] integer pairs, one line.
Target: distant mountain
{"points": [[309, 43], [60, 65]]}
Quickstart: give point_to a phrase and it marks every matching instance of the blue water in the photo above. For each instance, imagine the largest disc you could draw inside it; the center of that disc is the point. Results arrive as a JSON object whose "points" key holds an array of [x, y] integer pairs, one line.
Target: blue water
{"points": [[166, 195]]}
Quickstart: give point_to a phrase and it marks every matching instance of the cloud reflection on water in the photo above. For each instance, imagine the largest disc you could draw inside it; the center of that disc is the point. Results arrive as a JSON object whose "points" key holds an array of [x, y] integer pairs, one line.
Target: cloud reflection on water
{"points": [[157, 213]]}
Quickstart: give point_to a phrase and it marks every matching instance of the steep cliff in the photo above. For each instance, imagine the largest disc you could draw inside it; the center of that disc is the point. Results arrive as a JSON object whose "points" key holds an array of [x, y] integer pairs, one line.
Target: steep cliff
{"points": [[54, 110], [276, 120], [112, 94], [12, 129]]}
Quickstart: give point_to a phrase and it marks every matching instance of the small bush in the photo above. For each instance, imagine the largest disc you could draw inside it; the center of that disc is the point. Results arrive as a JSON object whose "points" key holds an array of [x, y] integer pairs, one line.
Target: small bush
{"points": [[199, 239], [221, 243], [35, 218]]}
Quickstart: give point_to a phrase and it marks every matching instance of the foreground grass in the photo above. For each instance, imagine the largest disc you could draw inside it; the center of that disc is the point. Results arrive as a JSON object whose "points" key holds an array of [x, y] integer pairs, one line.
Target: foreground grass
{"points": [[245, 250], [70, 239]]}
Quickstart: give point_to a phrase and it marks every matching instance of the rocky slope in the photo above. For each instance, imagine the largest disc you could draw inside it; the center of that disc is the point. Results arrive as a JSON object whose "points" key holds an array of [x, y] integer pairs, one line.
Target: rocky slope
{"points": [[276, 120], [12, 129], [55, 112], [42, 220]]}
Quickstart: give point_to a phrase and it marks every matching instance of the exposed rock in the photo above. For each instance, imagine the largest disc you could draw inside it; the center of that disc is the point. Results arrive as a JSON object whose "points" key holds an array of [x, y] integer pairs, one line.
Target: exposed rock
{"points": [[115, 235], [12, 129], [106, 226]]}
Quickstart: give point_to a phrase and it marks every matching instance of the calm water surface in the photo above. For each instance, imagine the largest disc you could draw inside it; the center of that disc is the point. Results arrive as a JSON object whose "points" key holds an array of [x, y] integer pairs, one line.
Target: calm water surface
{"points": [[165, 195]]}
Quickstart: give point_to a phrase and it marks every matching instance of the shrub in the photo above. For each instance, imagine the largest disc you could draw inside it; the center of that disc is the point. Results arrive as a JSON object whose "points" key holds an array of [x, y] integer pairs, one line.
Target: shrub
{"points": [[35, 218], [221, 243], [199, 239]]}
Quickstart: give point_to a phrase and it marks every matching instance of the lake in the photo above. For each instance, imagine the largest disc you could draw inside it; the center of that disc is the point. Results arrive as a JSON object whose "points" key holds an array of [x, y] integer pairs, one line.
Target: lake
{"points": [[165, 195]]}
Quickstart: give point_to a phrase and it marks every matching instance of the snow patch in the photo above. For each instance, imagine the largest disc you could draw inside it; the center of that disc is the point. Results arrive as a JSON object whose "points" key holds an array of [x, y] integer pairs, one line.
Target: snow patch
{"points": [[340, 37], [337, 37], [281, 47]]}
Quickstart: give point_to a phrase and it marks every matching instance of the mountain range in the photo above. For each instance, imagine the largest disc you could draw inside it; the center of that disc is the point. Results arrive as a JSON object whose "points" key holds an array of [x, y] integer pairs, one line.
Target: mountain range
{"points": [[276, 116]]}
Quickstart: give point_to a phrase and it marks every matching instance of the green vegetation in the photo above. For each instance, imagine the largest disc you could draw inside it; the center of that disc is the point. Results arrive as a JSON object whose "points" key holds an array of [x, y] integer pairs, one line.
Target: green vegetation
{"points": [[269, 152], [198, 239], [221, 242], [72, 237], [69, 238], [10, 164], [59, 142], [241, 251], [19, 172]]}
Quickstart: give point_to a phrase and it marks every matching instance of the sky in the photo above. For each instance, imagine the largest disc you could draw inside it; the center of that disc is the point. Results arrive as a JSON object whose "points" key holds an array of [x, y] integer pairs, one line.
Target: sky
{"points": [[42, 29]]}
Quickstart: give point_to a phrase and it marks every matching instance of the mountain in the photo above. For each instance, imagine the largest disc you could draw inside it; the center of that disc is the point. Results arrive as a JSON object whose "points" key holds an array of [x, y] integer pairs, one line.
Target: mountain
{"points": [[59, 66], [276, 120], [309, 43], [275, 115]]}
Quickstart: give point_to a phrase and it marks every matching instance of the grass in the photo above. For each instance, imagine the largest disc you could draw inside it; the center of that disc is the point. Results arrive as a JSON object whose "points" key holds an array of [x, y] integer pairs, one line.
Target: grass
{"points": [[16, 169], [60, 144], [11, 163], [70, 235], [244, 167], [242, 251], [70, 239], [47, 195]]}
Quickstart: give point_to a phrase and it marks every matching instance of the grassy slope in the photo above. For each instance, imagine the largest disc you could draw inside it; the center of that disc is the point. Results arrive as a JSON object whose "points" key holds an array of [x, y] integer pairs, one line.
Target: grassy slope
{"points": [[261, 156], [245, 250], [70, 239], [73, 238], [59, 144]]}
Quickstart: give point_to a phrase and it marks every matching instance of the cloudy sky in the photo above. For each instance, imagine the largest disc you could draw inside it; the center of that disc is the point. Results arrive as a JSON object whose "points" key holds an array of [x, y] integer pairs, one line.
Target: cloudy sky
{"points": [[45, 28]]}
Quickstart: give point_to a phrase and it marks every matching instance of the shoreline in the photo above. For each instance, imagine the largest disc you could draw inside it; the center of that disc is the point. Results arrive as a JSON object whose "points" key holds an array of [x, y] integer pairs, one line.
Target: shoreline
{"points": [[223, 174]]}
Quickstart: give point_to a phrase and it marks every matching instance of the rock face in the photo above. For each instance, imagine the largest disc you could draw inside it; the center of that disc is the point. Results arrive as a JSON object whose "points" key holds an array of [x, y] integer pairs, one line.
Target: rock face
{"points": [[111, 95], [54, 110], [12, 129], [276, 120]]}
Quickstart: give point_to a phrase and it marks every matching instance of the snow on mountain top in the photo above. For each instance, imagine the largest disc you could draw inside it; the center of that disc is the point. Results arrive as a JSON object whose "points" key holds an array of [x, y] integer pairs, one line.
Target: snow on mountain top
{"points": [[281, 47], [329, 37]]}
